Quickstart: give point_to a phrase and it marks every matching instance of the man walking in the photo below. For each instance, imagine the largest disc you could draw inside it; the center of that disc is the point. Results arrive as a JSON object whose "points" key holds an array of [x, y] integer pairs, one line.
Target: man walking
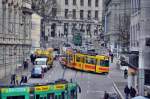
{"points": [[106, 95], [111, 56], [125, 74], [13, 79], [32, 57], [132, 92], [127, 91], [17, 79], [22, 80], [25, 64]]}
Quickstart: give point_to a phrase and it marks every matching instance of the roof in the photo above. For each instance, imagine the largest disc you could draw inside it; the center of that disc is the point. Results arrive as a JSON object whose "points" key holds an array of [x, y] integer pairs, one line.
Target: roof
{"points": [[41, 59], [102, 56]]}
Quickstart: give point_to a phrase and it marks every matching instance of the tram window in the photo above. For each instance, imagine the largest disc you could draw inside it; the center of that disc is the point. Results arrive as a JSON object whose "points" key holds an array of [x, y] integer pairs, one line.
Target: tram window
{"points": [[104, 63], [90, 60], [16, 97], [82, 59], [59, 97], [77, 59], [31, 96], [70, 58], [63, 95], [37, 97], [73, 94], [50, 96], [44, 98]]}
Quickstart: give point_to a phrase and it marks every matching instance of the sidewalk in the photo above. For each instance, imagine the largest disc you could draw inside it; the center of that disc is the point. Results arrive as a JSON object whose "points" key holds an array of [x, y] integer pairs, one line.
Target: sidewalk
{"points": [[19, 71], [117, 77]]}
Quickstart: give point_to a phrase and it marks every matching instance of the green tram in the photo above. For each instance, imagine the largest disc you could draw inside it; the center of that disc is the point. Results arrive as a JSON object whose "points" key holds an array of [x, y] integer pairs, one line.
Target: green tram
{"points": [[57, 90]]}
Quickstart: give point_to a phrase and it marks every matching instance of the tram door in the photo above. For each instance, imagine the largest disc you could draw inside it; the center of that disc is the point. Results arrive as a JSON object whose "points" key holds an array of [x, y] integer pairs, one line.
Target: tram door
{"points": [[60, 96], [44, 96], [73, 94]]}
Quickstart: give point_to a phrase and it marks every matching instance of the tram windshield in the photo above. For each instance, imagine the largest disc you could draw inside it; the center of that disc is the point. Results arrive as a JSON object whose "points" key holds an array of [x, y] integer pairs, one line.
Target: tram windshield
{"points": [[104, 63]]}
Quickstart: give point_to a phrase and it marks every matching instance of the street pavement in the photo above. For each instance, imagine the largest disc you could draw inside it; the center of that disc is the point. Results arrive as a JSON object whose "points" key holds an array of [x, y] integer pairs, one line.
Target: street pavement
{"points": [[92, 85], [117, 77], [19, 72]]}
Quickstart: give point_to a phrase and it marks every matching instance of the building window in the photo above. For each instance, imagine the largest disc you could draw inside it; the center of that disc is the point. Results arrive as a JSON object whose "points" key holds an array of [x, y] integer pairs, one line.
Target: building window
{"points": [[96, 14], [66, 2], [81, 27], [89, 3], [66, 13], [82, 2], [54, 12], [81, 14], [74, 2], [89, 14], [73, 27], [9, 18], [74, 13], [88, 29], [96, 3]]}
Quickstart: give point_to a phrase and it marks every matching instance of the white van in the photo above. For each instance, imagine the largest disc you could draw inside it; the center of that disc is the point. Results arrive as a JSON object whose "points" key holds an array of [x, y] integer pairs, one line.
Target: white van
{"points": [[42, 62]]}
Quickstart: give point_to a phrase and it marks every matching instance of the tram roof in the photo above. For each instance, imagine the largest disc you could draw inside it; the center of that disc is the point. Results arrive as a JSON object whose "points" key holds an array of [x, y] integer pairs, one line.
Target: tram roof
{"points": [[59, 81]]}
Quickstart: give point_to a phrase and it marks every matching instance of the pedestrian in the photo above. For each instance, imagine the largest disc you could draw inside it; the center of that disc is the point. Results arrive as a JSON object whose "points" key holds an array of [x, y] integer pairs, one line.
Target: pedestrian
{"points": [[25, 79], [106, 95], [127, 91], [17, 80], [32, 57], [132, 92], [22, 79], [111, 56], [25, 64], [125, 74], [13, 79]]}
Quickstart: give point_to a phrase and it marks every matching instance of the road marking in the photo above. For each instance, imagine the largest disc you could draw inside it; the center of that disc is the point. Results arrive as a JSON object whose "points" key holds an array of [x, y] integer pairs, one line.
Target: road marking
{"points": [[116, 88], [98, 91], [88, 80]]}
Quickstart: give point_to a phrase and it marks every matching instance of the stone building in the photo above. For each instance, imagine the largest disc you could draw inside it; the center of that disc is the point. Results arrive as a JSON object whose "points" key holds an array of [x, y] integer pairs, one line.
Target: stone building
{"points": [[140, 45], [69, 16], [15, 34], [116, 16]]}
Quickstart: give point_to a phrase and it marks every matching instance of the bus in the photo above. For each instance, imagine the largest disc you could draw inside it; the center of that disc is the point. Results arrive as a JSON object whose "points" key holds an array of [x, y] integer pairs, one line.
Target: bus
{"points": [[61, 89], [87, 61]]}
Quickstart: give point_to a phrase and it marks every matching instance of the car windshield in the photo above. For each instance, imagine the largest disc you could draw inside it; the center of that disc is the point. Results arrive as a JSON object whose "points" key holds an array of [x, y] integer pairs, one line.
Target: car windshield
{"points": [[40, 63], [37, 70]]}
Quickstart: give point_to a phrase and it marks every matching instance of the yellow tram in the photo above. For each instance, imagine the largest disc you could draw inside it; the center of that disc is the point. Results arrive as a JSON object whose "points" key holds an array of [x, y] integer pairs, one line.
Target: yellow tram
{"points": [[87, 62]]}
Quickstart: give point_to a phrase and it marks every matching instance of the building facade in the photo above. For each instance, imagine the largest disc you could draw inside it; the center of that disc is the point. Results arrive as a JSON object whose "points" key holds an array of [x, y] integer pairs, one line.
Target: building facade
{"points": [[69, 16], [139, 43], [116, 16], [15, 34]]}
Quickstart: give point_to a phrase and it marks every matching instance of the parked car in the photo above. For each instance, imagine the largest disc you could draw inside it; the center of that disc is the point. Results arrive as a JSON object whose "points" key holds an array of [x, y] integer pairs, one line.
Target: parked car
{"points": [[42, 62], [37, 72]]}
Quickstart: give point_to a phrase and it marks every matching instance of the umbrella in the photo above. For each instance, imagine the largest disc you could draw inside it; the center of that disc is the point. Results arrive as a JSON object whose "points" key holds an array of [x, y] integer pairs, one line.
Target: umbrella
{"points": [[139, 97]]}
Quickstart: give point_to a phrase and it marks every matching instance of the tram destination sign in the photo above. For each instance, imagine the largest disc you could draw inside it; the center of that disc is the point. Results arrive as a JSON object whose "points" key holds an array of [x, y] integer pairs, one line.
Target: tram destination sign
{"points": [[14, 90], [42, 88], [59, 87]]}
